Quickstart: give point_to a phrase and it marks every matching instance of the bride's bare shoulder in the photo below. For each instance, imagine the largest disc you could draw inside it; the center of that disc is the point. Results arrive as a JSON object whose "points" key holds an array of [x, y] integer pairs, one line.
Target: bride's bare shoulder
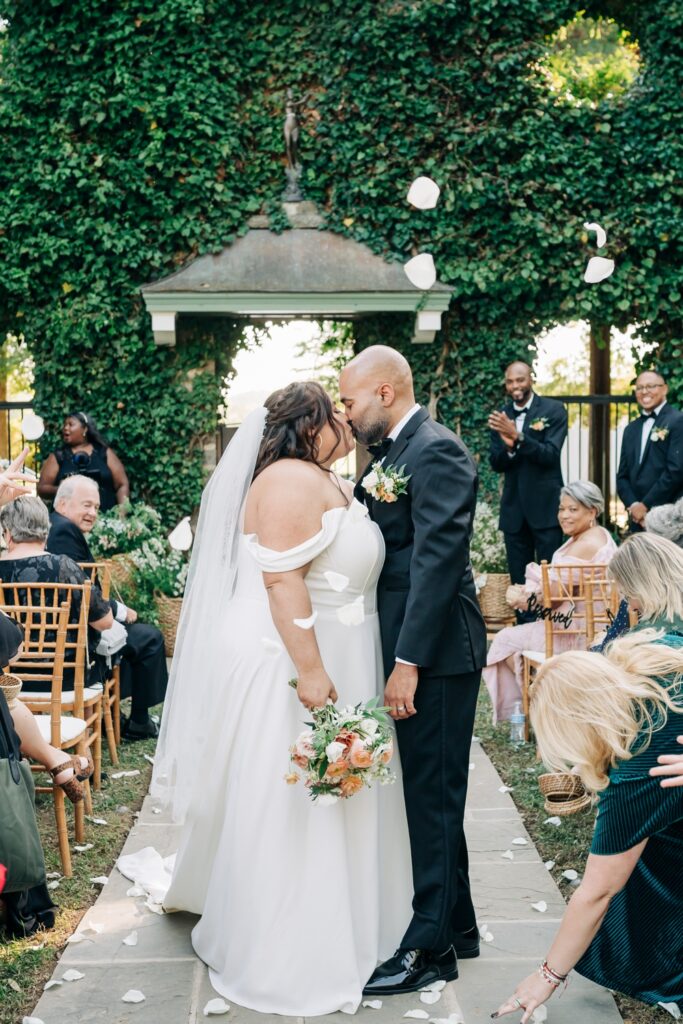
{"points": [[285, 493], [287, 473]]}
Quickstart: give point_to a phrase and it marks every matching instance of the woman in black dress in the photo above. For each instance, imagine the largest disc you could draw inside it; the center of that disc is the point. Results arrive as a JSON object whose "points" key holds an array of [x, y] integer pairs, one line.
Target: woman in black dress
{"points": [[85, 452]]}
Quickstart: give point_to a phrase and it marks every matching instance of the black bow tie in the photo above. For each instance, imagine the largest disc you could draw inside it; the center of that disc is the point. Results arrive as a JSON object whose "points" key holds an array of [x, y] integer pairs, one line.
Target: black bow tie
{"points": [[649, 415], [379, 450], [520, 412]]}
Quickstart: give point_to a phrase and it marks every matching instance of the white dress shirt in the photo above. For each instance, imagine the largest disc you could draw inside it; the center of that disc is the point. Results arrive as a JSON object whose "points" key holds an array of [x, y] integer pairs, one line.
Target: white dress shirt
{"points": [[648, 424]]}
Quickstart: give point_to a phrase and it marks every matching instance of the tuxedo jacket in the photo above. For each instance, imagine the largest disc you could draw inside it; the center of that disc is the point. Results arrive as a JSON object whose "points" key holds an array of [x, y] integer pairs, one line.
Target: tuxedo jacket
{"points": [[65, 538], [428, 609], [532, 475], [658, 478]]}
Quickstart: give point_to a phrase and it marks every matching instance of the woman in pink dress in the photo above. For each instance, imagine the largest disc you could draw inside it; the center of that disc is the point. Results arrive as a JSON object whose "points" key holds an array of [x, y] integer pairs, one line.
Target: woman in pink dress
{"points": [[589, 544]]}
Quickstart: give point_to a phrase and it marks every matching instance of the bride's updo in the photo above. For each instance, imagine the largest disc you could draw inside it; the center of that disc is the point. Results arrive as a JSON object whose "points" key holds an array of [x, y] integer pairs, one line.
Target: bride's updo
{"points": [[295, 417]]}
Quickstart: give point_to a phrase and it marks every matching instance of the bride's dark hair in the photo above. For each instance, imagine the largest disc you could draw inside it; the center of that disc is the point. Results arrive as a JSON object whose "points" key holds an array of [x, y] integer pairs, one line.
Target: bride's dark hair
{"points": [[296, 414]]}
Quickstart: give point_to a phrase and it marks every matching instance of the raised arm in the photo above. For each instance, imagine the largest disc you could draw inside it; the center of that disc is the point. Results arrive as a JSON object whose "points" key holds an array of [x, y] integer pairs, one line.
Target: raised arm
{"points": [[47, 481], [119, 477]]}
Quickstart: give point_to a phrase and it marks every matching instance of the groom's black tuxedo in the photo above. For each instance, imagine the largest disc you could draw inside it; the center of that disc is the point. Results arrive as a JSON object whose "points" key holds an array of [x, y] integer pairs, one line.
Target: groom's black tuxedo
{"points": [[657, 478], [429, 616]]}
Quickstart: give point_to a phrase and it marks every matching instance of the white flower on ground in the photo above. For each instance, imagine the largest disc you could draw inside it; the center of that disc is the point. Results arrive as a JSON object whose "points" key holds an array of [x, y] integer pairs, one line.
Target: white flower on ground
{"points": [[133, 995]]}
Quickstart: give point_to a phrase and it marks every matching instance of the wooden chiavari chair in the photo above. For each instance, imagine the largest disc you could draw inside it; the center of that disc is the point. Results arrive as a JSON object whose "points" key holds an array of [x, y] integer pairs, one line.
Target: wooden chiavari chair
{"points": [[100, 574]]}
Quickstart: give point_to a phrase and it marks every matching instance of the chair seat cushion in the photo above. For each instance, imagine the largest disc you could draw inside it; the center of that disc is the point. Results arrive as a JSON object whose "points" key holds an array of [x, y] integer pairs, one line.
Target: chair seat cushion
{"points": [[538, 656], [89, 693], [71, 728]]}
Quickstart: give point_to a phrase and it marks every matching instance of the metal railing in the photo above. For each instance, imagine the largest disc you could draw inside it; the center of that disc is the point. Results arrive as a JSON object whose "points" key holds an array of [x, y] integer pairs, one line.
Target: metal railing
{"points": [[11, 438]]}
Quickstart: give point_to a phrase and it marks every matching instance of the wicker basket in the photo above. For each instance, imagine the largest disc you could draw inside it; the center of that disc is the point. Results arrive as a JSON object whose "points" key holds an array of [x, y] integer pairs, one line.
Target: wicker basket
{"points": [[560, 804], [169, 616], [122, 569], [564, 793], [494, 607], [11, 687]]}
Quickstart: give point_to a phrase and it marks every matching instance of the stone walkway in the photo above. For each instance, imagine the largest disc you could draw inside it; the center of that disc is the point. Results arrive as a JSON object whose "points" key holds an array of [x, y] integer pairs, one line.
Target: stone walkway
{"points": [[176, 985]]}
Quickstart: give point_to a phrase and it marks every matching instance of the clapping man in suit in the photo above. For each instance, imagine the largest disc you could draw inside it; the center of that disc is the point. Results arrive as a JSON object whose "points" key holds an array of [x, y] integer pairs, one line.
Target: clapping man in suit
{"points": [[651, 464], [526, 442]]}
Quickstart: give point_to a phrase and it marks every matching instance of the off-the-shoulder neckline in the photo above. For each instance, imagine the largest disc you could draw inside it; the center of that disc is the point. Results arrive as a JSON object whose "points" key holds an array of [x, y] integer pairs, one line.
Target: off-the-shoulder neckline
{"points": [[250, 538]]}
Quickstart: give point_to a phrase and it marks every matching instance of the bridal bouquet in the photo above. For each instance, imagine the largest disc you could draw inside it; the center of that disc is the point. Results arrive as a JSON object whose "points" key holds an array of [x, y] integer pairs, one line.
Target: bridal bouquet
{"points": [[342, 750]]}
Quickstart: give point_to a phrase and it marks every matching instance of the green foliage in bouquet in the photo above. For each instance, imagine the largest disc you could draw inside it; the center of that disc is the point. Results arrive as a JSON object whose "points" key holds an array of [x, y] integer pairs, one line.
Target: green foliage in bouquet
{"points": [[124, 529], [487, 548]]}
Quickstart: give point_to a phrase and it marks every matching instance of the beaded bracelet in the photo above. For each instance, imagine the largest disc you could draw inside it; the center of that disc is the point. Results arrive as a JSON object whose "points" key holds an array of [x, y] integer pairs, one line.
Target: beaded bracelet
{"points": [[551, 976]]}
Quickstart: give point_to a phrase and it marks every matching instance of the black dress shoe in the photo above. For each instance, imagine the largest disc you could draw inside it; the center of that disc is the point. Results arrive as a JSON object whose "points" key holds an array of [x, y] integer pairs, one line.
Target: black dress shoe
{"points": [[467, 944], [140, 730], [409, 970]]}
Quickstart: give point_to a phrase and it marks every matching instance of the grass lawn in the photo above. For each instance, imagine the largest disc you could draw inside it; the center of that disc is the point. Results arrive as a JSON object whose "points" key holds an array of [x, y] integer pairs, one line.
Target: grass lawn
{"points": [[567, 844], [26, 964]]}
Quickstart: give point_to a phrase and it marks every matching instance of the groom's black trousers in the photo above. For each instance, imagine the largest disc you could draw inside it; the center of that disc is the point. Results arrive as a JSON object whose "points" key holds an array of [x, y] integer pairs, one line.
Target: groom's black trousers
{"points": [[434, 746]]}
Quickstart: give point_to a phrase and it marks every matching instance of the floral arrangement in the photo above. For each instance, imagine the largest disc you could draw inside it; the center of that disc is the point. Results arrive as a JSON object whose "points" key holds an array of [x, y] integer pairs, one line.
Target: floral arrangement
{"points": [[659, 433], [342, 750], [385, 483], [487, 549], [160, 569], [124, 528], [540, 423]]}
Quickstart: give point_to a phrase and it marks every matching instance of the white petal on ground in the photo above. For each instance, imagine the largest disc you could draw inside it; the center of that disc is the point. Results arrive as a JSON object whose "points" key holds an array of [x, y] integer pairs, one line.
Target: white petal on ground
{"points": [[154, 906], [487, 936], [126, 775], [540, 1014], [337, 581], [156, 810], [271, 646], [600, 233], [520, 841], [671, 1008], [148, 757], [472, 766], [131, 940], [180, 538], [52, 983], [434, 986], [53, 885], [430, 997], [53, 874], [135, 890], [424, 193], [72, 975], [541, 906], [417, 1015], [570, 874], [133, 995], [82, 849], [599, 269], [215, 1007], [32, 1020], [505, 789], [100, 880], [549, 864], [96, 821], [306, 623], [372, 1004], [352, 614], [508, 855], [553, 821], [454, 1018], [421, 271], [76, 937]]}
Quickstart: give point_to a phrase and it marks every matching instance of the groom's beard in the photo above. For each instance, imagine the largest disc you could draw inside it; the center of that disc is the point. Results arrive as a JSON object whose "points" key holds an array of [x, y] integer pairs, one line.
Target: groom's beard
{"points": [[371, 433]]}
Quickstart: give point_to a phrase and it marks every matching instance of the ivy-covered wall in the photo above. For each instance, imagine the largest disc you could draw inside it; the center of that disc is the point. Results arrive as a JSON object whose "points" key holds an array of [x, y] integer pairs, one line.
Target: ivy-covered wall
{"points": [[137, 134]]}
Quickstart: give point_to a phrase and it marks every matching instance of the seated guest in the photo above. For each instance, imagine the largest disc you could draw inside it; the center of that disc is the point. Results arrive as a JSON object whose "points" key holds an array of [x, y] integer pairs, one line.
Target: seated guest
{"points": [[612, 716], [85, 452], [144, 675], [666, 521], [589, 544]]}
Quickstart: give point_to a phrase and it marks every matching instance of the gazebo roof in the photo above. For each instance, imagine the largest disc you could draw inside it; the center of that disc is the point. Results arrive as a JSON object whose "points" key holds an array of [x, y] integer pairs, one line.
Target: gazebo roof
{"points": [[302, 271]]}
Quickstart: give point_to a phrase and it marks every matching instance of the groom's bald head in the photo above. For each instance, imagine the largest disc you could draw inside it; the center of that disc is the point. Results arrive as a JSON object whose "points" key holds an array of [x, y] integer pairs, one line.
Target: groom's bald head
{"points": [[377, 391]]}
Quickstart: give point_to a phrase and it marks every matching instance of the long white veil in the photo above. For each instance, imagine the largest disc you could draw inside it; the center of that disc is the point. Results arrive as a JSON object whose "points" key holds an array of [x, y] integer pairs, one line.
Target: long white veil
{"points": [[197, 668]]}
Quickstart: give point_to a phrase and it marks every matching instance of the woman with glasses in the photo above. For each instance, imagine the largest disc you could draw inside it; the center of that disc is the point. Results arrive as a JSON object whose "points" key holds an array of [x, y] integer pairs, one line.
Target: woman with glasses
{"points": [[85, 453], [651, 464]]}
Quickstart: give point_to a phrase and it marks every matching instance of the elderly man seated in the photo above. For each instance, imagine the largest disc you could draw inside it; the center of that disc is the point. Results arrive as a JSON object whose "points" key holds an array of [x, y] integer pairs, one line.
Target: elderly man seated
{"points": [[144, 675]]}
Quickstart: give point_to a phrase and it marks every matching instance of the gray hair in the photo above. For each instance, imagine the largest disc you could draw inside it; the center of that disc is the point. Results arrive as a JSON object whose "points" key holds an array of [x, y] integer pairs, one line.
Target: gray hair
{"points": [[66, 489], [25, 519], [666, 521], [586, 493], [649, 569]]}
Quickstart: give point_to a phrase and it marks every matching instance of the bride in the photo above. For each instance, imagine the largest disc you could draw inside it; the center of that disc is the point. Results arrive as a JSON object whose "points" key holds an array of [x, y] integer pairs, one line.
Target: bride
{"points": [[298, 901]]}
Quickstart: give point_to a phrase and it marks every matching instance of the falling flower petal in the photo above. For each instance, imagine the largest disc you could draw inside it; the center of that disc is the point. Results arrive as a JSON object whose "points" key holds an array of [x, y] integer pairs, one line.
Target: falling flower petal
{"points": [[126, 775], [424, 193], [549, 864], [570, 874], [337, 581], [417, 1015], [72, 975], [430, 997], [352, 614], [180, 538], [131, 940], [271, 646], [133, 995], [520, 841], [540, 1014], [671, 1008], [505, 789], [82, 849], [306, 623], [600, 233], [52, 983], [373, 1004], [421, 271], [99, 880], [96, 821], [598, 269], [32, 426], [508, 855], [541, 906], [553, 821], [216, 1006]]}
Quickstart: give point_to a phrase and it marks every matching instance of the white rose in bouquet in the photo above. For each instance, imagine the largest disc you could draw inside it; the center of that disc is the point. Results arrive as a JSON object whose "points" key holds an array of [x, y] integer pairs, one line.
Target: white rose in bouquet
{"points": [[333, 751]]}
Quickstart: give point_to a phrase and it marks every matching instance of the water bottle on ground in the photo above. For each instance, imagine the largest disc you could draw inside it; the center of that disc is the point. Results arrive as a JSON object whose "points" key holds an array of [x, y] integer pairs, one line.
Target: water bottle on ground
{"points": [[517, 724]]}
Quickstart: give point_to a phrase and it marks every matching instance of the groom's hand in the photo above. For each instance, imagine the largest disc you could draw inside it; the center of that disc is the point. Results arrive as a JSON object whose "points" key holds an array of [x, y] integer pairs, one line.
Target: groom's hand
{"points": [[400, 690]]}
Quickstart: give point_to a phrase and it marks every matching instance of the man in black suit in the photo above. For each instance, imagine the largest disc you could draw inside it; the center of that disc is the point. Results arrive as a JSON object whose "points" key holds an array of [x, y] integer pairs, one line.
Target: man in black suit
{"points": [[434, 646], [144, 675], [526, 442], [651, 464]]}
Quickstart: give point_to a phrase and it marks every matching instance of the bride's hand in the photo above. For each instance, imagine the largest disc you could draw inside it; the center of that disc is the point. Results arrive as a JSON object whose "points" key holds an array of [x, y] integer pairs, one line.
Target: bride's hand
{"points": [[315, 690]]}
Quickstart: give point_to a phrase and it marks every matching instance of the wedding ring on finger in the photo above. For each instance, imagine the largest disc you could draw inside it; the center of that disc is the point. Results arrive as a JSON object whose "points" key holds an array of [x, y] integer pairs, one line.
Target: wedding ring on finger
{"points": [[400, 707]]}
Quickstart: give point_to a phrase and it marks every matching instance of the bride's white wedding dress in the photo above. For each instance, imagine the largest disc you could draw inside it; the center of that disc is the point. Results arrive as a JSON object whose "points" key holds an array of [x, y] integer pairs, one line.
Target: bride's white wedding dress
{"points": [[298, 901]]}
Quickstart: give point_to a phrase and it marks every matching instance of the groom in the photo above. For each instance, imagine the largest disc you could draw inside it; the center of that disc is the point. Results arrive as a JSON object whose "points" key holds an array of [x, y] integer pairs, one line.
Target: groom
{"points": [[434, 646]]}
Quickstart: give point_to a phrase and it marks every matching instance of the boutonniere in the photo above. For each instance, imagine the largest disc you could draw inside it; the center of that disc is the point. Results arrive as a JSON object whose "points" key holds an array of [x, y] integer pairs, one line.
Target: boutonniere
{"points": [[540, 423], [659, 433], [386, 483]]}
